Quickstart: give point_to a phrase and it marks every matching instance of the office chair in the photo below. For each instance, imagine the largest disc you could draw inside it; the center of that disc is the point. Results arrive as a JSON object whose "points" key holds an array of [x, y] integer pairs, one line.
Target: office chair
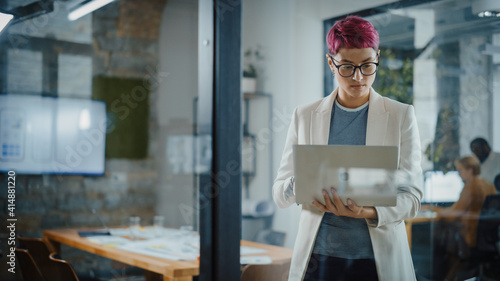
{"points": [[486, 254], [64, 270], [265, 272], [29, 269], [40, 251]]}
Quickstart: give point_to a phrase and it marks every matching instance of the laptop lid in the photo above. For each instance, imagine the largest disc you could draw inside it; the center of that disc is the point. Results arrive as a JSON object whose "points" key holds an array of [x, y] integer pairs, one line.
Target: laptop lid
{"points": [[365, 174]]}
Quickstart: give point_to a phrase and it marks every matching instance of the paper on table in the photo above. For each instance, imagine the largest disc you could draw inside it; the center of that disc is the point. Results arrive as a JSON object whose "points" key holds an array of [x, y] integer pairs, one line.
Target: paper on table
{"points": [[120, 231], [163, 248], [108, 241], [256, 260], [174, 244], [143, 233], [244, 250], [147, 232]]}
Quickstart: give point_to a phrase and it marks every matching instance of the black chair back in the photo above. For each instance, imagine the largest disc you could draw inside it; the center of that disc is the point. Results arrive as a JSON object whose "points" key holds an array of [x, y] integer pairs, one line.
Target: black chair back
{"points": [[488, 225]]}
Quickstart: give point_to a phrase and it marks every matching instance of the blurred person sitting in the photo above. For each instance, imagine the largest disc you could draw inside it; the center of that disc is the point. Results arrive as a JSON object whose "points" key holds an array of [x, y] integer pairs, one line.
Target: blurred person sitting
{"points": [[461, 218], [490, 160]]}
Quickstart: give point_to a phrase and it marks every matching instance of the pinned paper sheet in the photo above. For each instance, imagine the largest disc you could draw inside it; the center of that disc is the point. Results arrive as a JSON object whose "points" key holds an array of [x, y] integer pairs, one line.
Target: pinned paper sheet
{"points": [[256, 260]]}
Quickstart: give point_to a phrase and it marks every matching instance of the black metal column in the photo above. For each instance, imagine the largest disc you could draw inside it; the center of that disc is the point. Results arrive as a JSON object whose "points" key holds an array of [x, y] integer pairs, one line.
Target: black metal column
{"points": [[220, 192]]}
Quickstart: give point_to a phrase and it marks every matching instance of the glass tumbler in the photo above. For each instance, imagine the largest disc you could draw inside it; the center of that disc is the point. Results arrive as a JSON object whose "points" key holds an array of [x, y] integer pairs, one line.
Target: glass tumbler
{"points": [[158, 225], [135, 227]]}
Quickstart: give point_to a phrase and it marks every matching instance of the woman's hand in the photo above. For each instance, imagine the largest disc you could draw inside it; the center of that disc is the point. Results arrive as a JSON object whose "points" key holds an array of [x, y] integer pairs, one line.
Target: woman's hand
{"points": [[335, 205]]}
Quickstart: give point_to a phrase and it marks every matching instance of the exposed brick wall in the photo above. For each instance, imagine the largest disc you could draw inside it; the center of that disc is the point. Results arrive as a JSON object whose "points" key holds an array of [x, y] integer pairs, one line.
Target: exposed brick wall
{"points": [[144, 25]]}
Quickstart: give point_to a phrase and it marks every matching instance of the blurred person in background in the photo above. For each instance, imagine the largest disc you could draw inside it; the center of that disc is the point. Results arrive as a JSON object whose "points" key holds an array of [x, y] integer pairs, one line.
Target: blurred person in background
{"points": [[490, 160], [461, 218]]}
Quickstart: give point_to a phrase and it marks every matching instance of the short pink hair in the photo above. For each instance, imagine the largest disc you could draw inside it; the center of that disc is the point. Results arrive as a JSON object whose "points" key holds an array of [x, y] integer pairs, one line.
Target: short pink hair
{"points": [[352, 32]]}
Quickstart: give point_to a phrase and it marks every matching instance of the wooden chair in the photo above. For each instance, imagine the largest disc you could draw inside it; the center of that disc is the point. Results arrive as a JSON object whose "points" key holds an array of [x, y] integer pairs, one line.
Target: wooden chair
{"points": [[265, 272], [63, 269], [29, 269], [40, 251]]}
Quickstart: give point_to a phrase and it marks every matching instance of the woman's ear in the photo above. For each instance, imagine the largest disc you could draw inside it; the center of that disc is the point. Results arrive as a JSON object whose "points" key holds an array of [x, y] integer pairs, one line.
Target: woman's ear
{"points": [[330, 63]]}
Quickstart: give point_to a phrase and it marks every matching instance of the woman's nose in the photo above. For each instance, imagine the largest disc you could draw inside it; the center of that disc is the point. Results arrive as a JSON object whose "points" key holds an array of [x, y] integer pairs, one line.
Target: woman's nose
{"points": [[357, 74]]}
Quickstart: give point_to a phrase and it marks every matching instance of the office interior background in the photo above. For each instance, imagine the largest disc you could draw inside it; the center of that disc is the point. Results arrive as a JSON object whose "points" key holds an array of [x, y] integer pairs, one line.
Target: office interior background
{"points": [[141, 59]]}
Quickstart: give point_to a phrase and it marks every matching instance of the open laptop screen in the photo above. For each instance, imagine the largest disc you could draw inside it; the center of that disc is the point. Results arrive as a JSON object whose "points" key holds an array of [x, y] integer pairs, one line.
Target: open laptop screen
{"points": [[366, 174]]}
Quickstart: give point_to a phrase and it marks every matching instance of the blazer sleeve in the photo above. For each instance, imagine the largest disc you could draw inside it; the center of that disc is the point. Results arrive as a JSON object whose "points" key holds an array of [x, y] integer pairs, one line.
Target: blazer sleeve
{"points": [[409, 195], [281, 193]]}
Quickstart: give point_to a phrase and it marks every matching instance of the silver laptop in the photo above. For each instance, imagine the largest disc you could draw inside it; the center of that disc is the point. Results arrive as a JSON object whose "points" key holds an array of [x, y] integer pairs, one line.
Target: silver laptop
{"points": [[365, 174]]}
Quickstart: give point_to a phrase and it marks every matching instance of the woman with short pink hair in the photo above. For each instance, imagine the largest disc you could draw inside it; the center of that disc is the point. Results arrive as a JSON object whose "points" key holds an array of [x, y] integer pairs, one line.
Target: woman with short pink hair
{"points": [[351, 242]]}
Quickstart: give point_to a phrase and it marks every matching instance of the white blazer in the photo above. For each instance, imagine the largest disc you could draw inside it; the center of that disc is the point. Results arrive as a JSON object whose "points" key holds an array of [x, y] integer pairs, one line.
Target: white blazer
{"points": [[389, 123]]}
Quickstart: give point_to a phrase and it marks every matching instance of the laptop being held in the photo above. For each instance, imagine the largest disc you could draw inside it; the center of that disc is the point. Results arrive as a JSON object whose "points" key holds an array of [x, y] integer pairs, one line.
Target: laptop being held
{"points": [[366, 174]]}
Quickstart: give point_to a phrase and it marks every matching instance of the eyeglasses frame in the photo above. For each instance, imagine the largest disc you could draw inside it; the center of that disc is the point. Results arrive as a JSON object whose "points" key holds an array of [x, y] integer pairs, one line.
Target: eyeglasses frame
{"points": [[355, 67]]}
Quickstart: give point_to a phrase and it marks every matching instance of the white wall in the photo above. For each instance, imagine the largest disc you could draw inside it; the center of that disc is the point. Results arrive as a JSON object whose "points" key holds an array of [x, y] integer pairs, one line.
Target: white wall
{"points": [[291, 35], [178, 71], [269, 24]]}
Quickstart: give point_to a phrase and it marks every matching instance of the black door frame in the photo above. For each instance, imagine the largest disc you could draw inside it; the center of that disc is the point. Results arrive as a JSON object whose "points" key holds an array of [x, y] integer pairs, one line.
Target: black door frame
{"points": [[219, 107]]}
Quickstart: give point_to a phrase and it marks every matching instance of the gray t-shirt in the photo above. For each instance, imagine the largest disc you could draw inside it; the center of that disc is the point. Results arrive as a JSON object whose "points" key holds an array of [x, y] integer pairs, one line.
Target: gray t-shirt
{"points": [[345, 237]]}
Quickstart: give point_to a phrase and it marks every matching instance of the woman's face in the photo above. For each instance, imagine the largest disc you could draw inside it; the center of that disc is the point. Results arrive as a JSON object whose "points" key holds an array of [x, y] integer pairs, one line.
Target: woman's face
{"points": [[353, 90]]}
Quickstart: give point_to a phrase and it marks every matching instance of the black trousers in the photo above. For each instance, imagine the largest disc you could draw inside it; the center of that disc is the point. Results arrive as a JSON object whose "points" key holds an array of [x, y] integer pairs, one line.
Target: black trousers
{"points": [[326, 268]]}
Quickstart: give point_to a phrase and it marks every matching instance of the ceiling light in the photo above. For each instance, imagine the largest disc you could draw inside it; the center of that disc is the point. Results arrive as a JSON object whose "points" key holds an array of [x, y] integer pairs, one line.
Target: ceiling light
{"points": [[4, 20], [86, 7], [486, 8]]}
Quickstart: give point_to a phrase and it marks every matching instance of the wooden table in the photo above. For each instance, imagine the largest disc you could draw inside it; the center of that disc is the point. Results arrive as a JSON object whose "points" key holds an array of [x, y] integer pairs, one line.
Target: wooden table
{"points": [[421, 218], [170, 270]]}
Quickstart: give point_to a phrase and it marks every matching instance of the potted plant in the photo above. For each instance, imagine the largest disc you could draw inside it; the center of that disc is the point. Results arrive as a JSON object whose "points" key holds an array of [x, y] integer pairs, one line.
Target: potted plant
{"points": [[249, 81]]}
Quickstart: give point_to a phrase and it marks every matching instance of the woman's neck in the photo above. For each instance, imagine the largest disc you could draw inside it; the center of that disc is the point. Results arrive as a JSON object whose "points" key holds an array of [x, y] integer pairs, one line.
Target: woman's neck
{"points": [[351, 102]]}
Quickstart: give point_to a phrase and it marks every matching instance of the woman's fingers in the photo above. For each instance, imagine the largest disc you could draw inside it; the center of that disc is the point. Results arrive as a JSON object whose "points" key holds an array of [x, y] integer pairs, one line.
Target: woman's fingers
{"points": [[335, 205], [320, 206], [353, 207], [337, 201], [328, 202]]}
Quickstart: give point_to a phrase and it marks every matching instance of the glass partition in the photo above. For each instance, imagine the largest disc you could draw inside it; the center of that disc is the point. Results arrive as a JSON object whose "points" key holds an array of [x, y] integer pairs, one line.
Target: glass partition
{"points": [[140, 59]]}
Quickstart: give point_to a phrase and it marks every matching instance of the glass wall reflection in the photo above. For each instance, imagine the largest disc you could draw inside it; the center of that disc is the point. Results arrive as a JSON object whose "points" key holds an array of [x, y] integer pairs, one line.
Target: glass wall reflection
{"points": [[140, 61]]}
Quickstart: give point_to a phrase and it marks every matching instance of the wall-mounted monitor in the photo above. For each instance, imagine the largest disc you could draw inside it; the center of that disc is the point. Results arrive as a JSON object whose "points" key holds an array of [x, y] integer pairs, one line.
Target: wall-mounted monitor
{"points": [[45, 135]]}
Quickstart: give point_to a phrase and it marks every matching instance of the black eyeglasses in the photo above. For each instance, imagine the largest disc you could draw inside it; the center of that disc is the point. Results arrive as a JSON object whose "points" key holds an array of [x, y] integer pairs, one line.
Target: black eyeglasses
{"points": [[348, 70]]}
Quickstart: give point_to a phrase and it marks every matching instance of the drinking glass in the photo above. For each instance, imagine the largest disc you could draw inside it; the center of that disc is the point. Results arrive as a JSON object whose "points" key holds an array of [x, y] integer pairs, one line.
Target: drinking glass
{"points": [[158, 225], [135, 227]]}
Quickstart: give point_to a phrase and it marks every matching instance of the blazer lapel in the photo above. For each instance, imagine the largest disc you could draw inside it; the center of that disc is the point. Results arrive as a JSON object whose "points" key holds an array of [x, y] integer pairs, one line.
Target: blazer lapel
{"points": [[378, 117], [320, 120]]}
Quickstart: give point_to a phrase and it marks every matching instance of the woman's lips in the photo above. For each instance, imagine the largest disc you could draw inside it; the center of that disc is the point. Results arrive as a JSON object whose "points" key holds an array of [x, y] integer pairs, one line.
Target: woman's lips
{"points": [[357, 86]]}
